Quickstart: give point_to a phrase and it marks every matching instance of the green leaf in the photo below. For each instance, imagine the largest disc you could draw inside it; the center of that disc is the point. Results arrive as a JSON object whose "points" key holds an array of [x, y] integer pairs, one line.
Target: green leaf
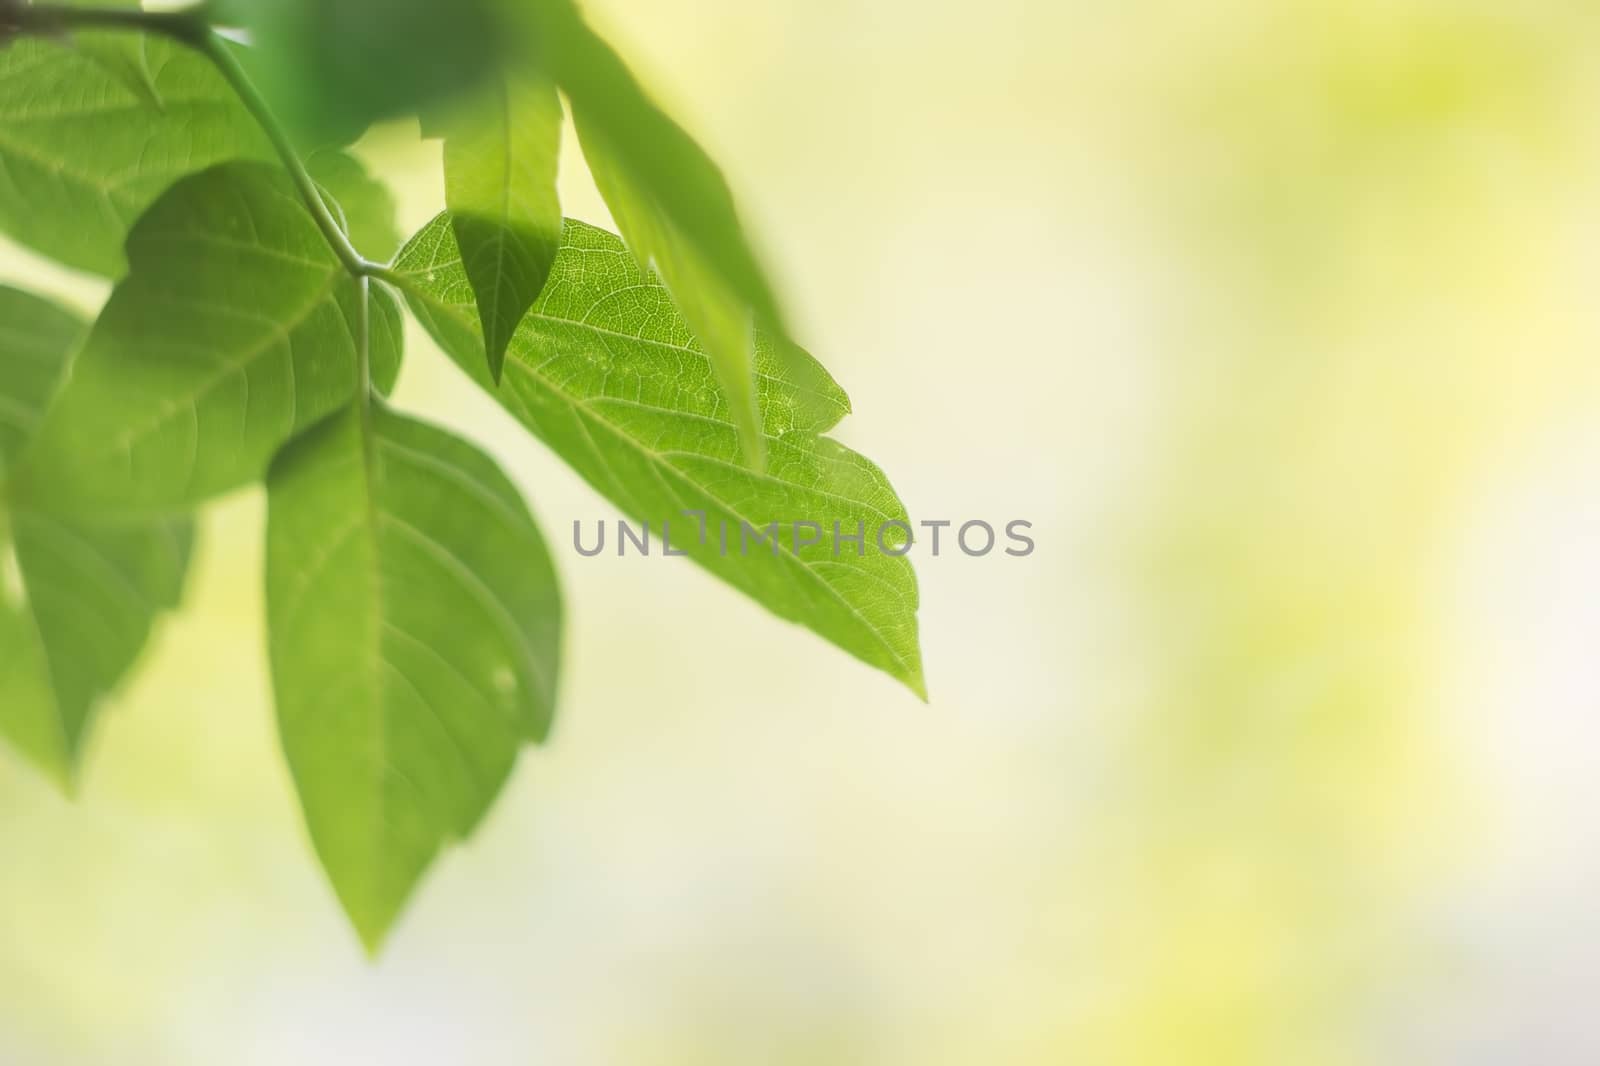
{"points": [[674, 209], [81, 611], [606, 372], [415, 629], [77, 601], [83, 154], [37, 338], [331, 68], [501, 156], [234, 331], [30, 719]]}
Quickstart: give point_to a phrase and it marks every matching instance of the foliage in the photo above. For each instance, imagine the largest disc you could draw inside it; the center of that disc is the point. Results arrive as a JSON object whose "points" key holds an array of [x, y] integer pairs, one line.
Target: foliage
{"points": [[254, 333]]}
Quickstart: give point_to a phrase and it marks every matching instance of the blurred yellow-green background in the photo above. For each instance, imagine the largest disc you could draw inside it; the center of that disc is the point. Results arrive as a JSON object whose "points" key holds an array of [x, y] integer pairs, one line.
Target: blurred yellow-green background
{"points": [[1277, 318]]}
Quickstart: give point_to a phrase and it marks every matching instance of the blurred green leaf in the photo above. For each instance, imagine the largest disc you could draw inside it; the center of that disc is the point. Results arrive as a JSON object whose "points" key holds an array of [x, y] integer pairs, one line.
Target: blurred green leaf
{"points": [[501, 156], [673, 206], [234, 331], [84, 153], [87, 600], [415, 628], [77, 601], [364, 206], [37, 340], [609, 375], [331, 68]]}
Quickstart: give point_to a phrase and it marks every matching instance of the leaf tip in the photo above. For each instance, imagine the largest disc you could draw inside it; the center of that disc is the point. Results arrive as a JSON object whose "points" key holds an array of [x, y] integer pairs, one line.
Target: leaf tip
{"points": [[908, 670], [497, 362], [373, 939], [496, 342], [61, 769], [372, 922], [68, 780]]}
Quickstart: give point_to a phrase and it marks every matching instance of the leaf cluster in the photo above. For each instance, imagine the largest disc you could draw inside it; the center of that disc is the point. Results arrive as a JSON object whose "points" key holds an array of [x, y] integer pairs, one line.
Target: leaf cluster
{"points": [[254, 335]]}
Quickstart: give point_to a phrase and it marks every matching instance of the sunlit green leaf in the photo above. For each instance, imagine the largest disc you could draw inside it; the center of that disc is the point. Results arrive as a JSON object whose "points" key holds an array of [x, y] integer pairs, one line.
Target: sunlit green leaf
{"points": [[77, 600], [673, 206], [501, 154], [606, 372], [83, 154], [234, 330], [415, 631]]}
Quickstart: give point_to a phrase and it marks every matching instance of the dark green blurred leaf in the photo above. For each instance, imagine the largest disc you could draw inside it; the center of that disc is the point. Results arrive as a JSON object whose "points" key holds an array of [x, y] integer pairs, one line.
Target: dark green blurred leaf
{"points": [[83, 153], [234, 331], [331, 68], [77, 601], [607, 373], [501, 156], [415, 629]]}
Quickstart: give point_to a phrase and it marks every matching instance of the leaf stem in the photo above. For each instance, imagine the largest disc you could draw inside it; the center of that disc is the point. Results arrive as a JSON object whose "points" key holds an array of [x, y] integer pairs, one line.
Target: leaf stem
{"points": [[192, 28], [364, 372], [227, 64], [397, 280], [44, 20], [364, 336]]}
